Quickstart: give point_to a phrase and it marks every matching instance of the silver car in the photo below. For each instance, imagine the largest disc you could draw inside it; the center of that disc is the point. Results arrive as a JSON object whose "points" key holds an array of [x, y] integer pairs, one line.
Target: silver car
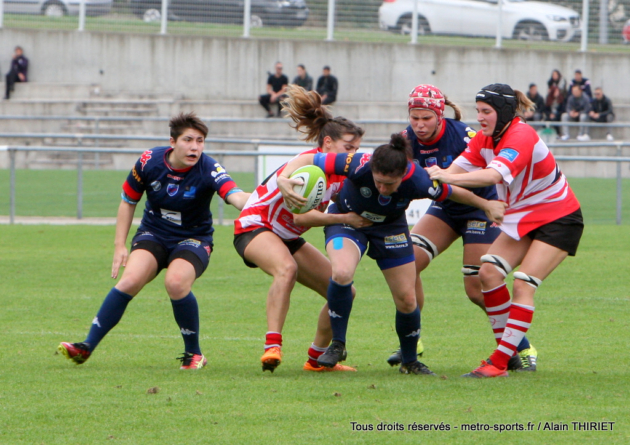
{"points": [[57, 8]]}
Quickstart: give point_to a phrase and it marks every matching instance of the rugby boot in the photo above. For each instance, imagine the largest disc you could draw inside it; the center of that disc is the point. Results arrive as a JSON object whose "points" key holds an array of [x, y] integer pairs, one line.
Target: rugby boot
{"points": [[415, 368], [528, 358], [396, 358], [486, 370], [77, 352], [334, 354], [337, 367], [271, 359], [192, 361]]}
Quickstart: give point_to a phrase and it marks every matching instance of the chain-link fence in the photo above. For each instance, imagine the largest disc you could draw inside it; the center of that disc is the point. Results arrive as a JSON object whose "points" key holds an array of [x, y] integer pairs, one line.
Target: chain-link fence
{"points": [[439, 21]]}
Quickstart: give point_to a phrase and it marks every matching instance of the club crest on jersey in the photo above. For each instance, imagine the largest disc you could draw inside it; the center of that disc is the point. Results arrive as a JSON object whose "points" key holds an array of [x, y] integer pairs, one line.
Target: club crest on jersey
{"points": [[364, 160], [156, 185], [172, 189], [384, 200], [365, 192], [145, 158], [430, 162]]}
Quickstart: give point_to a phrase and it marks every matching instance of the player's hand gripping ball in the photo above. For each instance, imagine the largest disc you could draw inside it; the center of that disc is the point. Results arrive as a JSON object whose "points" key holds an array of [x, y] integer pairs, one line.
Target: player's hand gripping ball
{"points": [[313, 187]]}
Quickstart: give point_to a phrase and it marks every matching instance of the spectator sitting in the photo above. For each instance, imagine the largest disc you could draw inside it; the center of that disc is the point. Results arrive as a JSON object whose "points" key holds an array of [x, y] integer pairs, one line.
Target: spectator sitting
{"points": [[276, 86], [583, 82], [303, 79], [539, 102], [327, 86], [602, 110], [554, 105], [578, 107], [18, 71], [558, 81]]}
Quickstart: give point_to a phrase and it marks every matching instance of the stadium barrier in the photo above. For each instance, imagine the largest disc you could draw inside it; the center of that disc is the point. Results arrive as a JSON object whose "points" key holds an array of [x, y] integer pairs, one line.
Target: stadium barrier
{"points": [[257, 154]]}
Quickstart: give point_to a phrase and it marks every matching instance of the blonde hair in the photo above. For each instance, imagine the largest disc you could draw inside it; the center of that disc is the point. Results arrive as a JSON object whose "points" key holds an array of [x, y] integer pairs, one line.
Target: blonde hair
{"points": [[311, 118], [523, 104]]}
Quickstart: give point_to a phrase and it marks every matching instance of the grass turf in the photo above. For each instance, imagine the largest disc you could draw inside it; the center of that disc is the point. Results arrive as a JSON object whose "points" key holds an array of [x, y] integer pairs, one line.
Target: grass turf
{"points": [[55, 277]]}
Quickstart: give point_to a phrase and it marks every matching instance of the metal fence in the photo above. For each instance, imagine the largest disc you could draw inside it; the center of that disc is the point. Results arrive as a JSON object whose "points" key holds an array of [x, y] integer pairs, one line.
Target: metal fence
{"points": [[578, 22], [257, 154]]}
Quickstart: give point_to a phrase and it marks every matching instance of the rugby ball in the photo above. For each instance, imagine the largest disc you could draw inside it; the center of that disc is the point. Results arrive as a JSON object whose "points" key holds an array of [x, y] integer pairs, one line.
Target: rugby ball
{"points": [[313, 187]]}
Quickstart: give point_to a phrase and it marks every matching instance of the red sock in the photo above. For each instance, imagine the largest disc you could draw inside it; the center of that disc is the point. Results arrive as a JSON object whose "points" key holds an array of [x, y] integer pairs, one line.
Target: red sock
{"points": [[313, 354], [497, 303], [517, 325], [273, 340]]}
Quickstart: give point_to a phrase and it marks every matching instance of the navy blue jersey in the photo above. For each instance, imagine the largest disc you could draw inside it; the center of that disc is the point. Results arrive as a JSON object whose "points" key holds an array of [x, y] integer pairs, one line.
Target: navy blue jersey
{"points": [[360, 195], [442, 151], [178, 201]]}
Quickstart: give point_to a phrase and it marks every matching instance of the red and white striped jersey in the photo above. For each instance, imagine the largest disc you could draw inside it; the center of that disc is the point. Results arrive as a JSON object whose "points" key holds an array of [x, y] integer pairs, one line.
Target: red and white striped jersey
{"points": [[533, 186], [266, 207]]}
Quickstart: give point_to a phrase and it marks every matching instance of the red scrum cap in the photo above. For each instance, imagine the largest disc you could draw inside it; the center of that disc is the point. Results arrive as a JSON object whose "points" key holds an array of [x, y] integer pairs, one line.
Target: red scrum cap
{"points": [[428, 97]]}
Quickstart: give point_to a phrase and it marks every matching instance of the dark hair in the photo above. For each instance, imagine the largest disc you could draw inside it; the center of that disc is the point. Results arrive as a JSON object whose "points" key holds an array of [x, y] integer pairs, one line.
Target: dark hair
{"points": [[391, 159], [183, 121], [313, 119], [326, 67], [578, 71], [532, 85], [302, 66]]}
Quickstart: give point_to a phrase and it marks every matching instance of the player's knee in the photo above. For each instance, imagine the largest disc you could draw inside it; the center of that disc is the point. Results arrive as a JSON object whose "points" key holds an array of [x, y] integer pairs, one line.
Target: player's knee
{"points": [[406, 303], [490, 277], [424, 244], [130, 285], [498, 262], [527, 279], [343, 275], [176, 286], [287, 272]]}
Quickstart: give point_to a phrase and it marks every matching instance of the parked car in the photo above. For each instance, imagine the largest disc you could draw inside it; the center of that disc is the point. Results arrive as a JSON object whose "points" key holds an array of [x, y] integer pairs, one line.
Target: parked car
{"points": [[56, 8], [521, 19], [263, 12]]}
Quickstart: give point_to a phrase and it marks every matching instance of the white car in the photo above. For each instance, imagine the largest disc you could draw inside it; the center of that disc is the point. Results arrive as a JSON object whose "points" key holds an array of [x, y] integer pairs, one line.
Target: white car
{"points": [[57, 8], [521, 19]]}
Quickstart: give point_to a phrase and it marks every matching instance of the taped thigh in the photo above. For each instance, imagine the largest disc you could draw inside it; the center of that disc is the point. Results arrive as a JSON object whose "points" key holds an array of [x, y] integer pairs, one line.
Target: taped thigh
{"points": [[500, 263], [532, 281], [425, 244]]}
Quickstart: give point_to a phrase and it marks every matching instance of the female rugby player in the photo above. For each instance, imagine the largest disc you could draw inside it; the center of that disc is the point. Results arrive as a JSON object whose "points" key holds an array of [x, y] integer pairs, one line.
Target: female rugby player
{"points": [[378, 187], [438, 140], [542, 225], [175, 234], [267, 234]]}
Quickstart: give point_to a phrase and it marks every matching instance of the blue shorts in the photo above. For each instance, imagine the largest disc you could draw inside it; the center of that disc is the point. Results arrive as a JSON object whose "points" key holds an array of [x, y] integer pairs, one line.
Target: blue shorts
{"points": [[473, 227], [389, 244], [165, 249]]}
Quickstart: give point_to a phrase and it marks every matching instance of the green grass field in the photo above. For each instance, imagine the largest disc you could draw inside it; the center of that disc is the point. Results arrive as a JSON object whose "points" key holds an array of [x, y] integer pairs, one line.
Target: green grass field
{"points": [[55, 277], [54, 193]]}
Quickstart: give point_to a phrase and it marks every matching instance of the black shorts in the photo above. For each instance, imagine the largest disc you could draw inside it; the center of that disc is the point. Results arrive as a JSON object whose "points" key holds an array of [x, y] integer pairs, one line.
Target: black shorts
{"points": [[563, 233], [242, 240]]}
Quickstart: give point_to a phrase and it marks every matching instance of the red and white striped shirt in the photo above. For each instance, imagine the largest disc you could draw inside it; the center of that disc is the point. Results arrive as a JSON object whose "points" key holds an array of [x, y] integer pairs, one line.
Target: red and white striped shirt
{"points": [[533, 186], [266, 207]]}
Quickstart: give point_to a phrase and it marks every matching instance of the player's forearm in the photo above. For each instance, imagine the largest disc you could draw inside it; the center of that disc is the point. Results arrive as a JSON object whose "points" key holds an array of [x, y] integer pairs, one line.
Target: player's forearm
{"points": [[315, 218], [238, 199], [467, 197], [123, 222], [294, 164]]}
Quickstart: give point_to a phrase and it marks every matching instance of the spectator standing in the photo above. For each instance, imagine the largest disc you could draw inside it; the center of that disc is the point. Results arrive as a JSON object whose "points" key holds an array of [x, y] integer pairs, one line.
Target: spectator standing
{"points": [[539, 103], [583, 82], [276, 87], [303, 79], [327, 86], [602, 110], [18, 71], [578, 108], [556, 80]]}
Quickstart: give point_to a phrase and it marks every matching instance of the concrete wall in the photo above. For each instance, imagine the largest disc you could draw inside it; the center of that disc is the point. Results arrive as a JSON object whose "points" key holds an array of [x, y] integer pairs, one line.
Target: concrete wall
{"points": [[235, 68]]}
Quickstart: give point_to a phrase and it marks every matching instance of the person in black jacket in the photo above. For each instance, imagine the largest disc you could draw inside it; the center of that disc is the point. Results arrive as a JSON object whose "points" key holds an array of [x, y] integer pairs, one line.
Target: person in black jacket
{"points": [[277, 84], [539, 102], [602, 110], [303, 79], [18, 71], [327, 86]]}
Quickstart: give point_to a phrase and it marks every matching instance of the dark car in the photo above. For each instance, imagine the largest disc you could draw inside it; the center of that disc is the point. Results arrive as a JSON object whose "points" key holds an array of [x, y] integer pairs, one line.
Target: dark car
{"points": [[263, 12]]}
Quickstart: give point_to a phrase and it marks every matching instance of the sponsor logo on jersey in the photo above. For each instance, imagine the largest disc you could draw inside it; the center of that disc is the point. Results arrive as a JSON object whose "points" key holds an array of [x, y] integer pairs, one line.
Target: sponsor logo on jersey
{"points": [[145, 158], [365, 192], [476, 226], [172, 189], [508, 153], [219, 168], [145, 234], [430, 162], [174, 178], [348, 161], [395, 239], [373, 217], [364, 160], [190, 192], [172, 216], [135, 174], [428, 152], [471, 133], [207, 249], [384, 200], [190, 242], [436, 190], [156, 185]]}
